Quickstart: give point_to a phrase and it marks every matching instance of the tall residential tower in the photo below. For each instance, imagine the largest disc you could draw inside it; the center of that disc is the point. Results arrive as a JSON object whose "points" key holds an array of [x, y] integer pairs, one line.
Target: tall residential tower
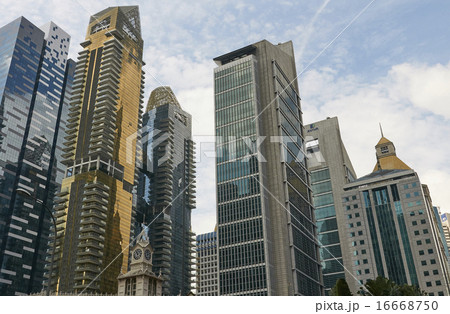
{"points": [[95, 205], [166, 190], [266, 232], [34, 72]]}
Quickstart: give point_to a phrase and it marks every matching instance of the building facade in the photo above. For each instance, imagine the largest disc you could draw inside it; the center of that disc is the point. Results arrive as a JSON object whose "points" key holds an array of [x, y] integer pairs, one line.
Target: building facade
{"points": [[207, 277], [446, 231], [34, 72], [390, 227], [330, 168], [166, 189], [140, 280], [95, 206], [267, 241]]}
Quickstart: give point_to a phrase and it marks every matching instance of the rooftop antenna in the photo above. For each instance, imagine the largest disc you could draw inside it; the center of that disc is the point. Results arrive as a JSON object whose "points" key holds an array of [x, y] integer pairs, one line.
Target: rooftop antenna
{"points": [[381, 130]]}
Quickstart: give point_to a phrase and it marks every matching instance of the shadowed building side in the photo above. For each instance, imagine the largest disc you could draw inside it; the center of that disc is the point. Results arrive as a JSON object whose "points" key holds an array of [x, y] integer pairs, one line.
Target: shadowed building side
{"points": [[330, 168], [166, 189]]}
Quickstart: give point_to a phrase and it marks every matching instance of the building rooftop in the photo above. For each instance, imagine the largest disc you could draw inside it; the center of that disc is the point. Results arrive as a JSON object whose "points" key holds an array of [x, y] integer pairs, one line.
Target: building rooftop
{"points": [[387, 157], [161, 96]]}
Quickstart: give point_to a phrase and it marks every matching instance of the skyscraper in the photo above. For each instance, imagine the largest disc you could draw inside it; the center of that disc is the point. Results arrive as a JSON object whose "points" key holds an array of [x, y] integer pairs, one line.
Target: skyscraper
{"points": [[207, 281], [33, 78], [330, 168], [166, 190], [266, 233], [446, 230], [390, 226], [95, 205]]}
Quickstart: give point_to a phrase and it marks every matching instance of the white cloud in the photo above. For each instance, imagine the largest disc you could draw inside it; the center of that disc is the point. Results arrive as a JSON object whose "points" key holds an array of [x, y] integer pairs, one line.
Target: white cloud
{"points": [[181, 38], [410, 103], [426, 87]]}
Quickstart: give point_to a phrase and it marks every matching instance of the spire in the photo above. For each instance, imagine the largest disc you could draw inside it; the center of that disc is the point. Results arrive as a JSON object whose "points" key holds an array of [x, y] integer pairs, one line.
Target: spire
{"points": [[386, 155], [143, 236]]}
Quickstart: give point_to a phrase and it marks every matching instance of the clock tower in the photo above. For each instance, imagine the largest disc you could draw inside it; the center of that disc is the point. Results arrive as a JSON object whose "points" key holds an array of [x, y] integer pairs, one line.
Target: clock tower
{"points": [[140, 280]]}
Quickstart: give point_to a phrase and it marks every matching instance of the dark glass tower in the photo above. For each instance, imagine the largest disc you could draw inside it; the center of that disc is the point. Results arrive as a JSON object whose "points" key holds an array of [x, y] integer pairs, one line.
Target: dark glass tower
{"points": [[166, 189], [33, 76], [266, 233]]}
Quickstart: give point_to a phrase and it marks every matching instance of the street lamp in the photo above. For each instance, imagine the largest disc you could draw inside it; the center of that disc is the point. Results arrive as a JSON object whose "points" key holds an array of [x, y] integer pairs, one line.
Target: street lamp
{"points": [[26, 193]]}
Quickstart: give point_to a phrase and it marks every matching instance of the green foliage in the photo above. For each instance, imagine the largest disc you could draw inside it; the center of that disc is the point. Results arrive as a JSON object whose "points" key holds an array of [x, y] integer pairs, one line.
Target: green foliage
{"points": [[384, 287], [341, 288]]}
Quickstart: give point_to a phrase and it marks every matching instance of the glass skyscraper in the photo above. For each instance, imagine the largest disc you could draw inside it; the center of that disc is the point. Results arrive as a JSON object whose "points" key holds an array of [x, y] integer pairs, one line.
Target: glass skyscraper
{"points": [[34, 72], [95, 206], [267, 241], [330, 168], [166, 190]]}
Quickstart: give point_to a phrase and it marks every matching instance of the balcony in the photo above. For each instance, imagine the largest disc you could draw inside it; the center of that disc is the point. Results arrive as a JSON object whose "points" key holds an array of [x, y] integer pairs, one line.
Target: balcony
{"points": [[93, 220], [96, 206], [96, 199], [89, 260], [97, 184], [92, 228], [88, 267], [96, 191], [91, 244], [91, 236], [93, 213], [90, 252]]}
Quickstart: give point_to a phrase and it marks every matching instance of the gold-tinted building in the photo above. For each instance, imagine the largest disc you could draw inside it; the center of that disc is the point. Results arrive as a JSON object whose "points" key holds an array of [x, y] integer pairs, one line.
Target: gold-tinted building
{"points": [[95, 207]]}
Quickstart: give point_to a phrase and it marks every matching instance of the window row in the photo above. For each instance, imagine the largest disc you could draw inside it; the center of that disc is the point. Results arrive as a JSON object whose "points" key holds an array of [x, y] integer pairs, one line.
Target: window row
{"points": [[241, 280], [231, 69], [241, 255], [234, 113], [244, 231], [237, 130], [236, 169], [320, 175], [238, 210], [237, 95], [238, 189], [232, 148], [232, 80], [422, 222]]}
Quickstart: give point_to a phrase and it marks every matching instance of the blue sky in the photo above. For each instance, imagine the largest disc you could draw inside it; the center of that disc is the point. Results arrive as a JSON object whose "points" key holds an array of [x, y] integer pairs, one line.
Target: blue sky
{"points": [[390, 65]]}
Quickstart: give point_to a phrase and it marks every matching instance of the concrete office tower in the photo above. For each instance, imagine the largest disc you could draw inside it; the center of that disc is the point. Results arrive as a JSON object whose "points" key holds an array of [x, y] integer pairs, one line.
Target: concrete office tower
{"points": [[266, 230], [446, 230], [330, 168], [95, 205], [207, 284], [390, 227], [438, 220], [166, 190], [34, 71]]}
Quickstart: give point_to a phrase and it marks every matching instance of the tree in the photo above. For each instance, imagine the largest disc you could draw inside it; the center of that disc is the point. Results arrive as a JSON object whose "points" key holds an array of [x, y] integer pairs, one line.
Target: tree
{"points": [[341, 288], [385, 287]]}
